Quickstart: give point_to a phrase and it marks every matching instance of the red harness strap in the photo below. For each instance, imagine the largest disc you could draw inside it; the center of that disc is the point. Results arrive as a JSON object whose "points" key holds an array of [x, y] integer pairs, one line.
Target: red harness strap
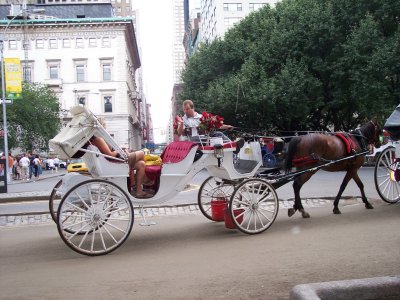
{"points": [[348, 142], [304, 161]]}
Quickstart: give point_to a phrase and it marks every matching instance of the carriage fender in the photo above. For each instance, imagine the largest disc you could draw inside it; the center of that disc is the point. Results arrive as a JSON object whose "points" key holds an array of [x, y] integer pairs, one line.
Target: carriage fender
{"points": [[70, 180]]}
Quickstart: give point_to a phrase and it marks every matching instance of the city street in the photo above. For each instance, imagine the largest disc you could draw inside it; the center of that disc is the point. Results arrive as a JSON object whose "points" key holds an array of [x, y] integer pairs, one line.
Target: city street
{"points": [[186, 256], [190, 257]]}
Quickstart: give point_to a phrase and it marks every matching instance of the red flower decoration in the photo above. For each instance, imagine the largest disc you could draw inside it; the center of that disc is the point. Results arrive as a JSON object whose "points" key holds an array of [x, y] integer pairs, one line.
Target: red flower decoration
{"points": [[210, 122]]}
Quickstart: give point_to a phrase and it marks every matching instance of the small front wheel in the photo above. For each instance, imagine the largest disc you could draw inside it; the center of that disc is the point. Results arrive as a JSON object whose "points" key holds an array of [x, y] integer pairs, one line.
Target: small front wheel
{"points": [[254, 206], [387, 173], [95, 217], [213, 187]]}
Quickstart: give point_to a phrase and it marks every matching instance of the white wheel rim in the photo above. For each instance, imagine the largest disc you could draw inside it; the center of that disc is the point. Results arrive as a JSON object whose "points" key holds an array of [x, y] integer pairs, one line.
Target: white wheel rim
{"points": [[254, 206], [385, 179], [95, 218]]}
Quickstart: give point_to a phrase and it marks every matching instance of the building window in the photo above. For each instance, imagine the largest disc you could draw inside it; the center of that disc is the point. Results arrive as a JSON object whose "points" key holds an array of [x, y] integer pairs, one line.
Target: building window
{"points": [[79, 43], [232, 6], [80, 73], [106, 72], [12, 44], [256, 6], [53, 70], [81, 100], [53, 44], [39, 44], [229, 22], [66, 43], [27, 74], [107, 104], [92, 42], [105, 42]]}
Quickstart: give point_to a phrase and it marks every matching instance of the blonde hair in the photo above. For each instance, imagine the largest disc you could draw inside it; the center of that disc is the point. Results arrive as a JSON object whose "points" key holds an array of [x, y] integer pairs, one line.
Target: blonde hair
{"points": [[188, 102]]}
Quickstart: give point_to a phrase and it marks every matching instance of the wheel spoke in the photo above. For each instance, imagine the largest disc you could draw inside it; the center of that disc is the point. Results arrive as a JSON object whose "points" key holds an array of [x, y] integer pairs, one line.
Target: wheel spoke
{"points": [[114, 226], [83, 238]]}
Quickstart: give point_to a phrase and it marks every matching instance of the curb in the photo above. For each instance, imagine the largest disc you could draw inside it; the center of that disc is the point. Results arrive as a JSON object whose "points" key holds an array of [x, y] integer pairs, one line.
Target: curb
{"points": [[387, 287]]}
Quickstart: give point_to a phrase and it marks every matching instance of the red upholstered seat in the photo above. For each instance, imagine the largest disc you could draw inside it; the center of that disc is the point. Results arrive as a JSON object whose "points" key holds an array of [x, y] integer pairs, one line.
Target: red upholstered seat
{"points": [[173, 153]]}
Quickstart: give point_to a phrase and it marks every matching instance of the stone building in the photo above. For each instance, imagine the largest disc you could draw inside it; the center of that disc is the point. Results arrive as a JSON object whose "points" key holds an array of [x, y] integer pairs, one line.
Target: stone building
{"points": [[86, 61]]}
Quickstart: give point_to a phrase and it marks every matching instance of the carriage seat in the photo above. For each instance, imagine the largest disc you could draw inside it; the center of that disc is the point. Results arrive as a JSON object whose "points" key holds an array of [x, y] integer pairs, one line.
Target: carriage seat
{"points": [[99, 166], [174, 153]]}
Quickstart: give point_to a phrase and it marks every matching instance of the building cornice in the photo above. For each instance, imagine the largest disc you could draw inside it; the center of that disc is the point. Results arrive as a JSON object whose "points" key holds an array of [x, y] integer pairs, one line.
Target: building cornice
{"points": [[86, 22]]}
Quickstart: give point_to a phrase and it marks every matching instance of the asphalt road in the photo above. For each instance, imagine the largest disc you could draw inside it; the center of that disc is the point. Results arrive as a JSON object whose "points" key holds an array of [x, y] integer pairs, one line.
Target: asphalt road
{"points": [[190, 257]]}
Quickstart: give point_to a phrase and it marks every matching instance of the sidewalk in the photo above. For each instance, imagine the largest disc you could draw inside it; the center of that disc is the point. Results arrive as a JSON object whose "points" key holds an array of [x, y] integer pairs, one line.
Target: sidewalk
{"points": [[31, 195], [46, 174]]}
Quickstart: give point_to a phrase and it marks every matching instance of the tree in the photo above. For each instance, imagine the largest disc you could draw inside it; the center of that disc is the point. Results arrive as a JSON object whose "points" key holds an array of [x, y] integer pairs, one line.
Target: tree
{"points": [[303, 65], [34, 119]]}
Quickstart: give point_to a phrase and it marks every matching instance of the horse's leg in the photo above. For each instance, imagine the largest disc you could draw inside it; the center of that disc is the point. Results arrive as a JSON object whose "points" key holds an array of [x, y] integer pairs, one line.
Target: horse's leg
{"points": [[297, 184], [345, 181], [361, 187]]}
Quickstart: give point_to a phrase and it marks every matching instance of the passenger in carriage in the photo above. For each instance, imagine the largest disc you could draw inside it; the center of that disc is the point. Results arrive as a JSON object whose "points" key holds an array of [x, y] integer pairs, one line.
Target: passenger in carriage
{"points": [[188, 125], [135, 162]]}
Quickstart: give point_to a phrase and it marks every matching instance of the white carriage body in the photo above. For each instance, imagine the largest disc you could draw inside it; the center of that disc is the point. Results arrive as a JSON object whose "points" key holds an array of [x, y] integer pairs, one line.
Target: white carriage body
{"points": [[174, 176]]}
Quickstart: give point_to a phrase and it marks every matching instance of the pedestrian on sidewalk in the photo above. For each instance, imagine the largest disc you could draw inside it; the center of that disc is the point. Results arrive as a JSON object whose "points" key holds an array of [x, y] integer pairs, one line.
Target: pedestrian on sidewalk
{"points": [[17, 168], [31, 165], [36, 162], [50, 163], [56, 163], [24, 164], [10, 167]]}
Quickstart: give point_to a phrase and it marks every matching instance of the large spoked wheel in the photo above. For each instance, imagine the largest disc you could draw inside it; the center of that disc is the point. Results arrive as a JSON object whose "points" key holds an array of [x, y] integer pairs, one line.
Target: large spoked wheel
{"points": [[254, 206], [213, 187], [53, 201], [95, 217], [387, 176]]}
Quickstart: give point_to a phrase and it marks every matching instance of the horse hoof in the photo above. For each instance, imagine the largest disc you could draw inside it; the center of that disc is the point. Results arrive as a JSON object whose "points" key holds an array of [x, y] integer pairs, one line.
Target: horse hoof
{"points": [[336, 211], [369, 206], [304, 214], [291, 212]]}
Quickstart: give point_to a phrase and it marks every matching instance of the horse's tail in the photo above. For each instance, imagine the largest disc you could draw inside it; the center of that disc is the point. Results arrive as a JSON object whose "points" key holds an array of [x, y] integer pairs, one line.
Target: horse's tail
{"points": [[290, 153]]}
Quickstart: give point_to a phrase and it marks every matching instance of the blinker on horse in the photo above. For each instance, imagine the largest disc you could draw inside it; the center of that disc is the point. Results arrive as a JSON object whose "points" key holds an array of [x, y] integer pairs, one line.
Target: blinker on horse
{"points": [[314, 149]]}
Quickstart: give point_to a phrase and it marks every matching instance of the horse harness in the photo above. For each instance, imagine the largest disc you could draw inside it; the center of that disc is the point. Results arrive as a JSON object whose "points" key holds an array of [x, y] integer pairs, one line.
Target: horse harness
{"points": [[347, 139]]}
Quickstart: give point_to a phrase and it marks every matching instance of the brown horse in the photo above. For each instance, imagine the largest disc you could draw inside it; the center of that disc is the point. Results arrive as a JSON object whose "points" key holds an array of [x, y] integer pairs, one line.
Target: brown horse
{"points": [[309, 150]]}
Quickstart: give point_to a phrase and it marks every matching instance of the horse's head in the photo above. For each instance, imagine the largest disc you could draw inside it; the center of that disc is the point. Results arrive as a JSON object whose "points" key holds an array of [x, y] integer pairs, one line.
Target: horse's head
{"points": [[373, 133]]}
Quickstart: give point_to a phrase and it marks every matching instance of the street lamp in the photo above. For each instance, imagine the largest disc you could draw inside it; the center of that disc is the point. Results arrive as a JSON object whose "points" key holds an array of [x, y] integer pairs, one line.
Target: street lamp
{"points": [[25, 14]]}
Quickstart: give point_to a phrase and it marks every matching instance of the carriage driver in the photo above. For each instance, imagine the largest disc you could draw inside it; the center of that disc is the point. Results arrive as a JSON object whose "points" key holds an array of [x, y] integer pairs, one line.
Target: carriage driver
{"points": [[188, 125]]}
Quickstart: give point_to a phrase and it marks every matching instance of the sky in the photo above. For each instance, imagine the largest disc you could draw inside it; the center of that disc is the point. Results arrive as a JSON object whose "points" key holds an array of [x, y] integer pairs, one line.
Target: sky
{"points": [[155, 41]]}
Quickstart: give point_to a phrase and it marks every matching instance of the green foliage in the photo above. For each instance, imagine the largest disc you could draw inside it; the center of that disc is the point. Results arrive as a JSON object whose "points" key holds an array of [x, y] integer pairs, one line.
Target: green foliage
{"points": [[34, 119], [303, 65]]}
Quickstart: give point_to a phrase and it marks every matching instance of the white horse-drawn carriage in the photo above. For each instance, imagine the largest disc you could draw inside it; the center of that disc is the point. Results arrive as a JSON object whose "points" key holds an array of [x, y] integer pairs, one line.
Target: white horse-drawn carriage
{"points": [[96, 212]]}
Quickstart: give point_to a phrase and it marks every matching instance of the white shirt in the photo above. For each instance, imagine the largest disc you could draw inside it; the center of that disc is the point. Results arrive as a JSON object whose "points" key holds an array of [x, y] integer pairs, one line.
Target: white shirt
{"points": [[50, 162], [24, 162], [192, 122]]}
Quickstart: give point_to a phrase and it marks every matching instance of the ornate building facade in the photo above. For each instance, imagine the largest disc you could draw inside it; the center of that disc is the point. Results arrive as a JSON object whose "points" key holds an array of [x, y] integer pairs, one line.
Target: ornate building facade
{"points": [[90, 62]]}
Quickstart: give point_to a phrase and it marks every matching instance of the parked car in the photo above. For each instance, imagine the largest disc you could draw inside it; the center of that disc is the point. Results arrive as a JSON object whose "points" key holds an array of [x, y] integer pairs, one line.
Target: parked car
{"points": [[77, 165], [61, 165], [372, 158]]}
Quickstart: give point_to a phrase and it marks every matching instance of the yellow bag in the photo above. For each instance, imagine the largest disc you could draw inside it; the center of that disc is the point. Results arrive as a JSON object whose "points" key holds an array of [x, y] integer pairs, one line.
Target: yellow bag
{"points": [[152, 160]]}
